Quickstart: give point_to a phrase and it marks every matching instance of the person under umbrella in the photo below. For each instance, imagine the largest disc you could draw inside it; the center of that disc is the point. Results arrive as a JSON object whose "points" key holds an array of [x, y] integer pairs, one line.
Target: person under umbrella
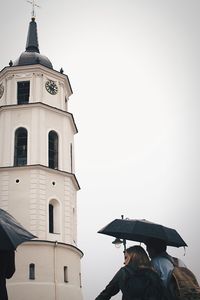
{"points": [[136, 280], [161, 261]]}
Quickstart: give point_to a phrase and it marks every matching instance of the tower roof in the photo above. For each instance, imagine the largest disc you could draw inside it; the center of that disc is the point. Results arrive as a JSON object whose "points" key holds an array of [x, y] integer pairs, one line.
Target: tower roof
{"points": [[32, 54]]}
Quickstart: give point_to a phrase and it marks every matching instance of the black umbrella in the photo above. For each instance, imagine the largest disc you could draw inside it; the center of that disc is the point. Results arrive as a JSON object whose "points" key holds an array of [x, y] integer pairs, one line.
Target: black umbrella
{"points": [[12, 233], [142, 231]]}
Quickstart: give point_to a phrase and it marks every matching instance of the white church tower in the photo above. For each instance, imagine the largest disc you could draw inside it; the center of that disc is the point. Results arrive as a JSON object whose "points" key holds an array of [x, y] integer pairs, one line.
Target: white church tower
{"points": [[37, 181]]}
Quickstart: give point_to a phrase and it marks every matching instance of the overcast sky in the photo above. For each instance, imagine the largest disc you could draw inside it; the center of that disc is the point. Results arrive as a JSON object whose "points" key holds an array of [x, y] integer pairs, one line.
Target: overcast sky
{"points": [[134, 67]]}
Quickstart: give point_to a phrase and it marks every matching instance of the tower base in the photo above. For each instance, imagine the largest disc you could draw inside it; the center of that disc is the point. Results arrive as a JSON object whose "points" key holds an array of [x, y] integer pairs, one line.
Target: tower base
{"points": [[46, 270]]}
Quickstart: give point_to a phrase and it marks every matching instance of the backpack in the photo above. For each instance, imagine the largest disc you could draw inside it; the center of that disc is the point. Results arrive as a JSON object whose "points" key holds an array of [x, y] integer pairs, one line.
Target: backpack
{"points": [[143, 284], [183, 284]]}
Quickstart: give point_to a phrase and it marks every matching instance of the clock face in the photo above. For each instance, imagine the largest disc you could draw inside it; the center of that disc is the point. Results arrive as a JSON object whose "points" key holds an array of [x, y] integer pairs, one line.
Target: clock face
{"points": [[1, 90], [51, 87]]}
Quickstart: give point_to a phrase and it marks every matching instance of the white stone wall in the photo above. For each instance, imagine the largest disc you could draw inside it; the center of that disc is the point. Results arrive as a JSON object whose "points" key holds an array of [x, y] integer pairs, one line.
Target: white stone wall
{"points": [[37, 75], [49, 260], [38, 120], [26, 192]]}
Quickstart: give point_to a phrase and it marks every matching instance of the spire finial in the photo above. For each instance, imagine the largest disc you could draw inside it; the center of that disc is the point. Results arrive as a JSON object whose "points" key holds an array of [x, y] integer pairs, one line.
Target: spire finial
{"points": [[32, 2]]}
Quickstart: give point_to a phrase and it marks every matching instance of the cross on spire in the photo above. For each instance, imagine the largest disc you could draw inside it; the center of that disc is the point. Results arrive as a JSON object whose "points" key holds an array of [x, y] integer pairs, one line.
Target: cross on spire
{"points": [[33, 7]]}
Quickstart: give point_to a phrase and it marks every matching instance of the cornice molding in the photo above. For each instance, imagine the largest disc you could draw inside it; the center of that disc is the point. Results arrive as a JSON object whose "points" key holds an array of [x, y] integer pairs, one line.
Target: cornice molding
{"points": [[44, 106], [45, 168], [54, 244], [36, 69]]}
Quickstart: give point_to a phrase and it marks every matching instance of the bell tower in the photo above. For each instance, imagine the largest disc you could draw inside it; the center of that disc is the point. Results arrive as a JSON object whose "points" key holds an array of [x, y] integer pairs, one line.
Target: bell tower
{"points": [[38, 185]]}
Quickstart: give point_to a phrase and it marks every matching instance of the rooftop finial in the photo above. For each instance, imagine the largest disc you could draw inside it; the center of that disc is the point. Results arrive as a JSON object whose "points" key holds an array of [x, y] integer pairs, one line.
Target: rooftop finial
{"points": [[32, 2]]}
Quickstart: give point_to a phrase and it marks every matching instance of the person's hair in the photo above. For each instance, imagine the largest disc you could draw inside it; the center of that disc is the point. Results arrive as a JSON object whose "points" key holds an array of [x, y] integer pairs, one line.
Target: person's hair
{"points": [[138, 256], [157, 245]]}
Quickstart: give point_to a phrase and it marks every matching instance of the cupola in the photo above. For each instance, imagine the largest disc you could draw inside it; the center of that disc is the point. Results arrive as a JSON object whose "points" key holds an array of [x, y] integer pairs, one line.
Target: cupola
{"points": [[32, 54]]}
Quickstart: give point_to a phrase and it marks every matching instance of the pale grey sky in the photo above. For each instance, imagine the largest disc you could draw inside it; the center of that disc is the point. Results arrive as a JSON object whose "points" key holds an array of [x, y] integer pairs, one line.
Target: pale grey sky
{"points": [[134, 67]]}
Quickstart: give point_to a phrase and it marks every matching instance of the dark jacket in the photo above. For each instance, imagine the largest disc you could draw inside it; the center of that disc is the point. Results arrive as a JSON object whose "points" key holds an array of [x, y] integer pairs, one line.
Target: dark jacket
{"points": [[114, 286], [7, 269], [145, 284]]}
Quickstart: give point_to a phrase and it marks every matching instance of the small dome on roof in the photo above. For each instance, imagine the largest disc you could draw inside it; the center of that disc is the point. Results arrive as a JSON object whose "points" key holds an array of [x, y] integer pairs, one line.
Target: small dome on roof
{"points": [[32, 58], [32, 54]]}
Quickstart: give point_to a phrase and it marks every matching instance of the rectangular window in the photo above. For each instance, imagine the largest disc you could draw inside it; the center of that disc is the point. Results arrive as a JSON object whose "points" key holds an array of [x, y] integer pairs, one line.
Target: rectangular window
{"points": [[32, 271], [53, 150], [23, 91], [66, 274], [80, 280]]}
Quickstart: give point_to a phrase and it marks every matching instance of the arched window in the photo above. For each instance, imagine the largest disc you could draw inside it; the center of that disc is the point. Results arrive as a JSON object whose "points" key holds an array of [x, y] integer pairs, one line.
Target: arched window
{"points": [[32, 271], [53, 150], [71, 157], [54, 216], [51, 219], [20, 156]]}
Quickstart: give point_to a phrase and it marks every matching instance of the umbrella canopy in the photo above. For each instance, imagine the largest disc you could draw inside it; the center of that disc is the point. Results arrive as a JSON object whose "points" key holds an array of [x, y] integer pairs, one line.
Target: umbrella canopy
{"points": [[142, 231], [12, 233]]}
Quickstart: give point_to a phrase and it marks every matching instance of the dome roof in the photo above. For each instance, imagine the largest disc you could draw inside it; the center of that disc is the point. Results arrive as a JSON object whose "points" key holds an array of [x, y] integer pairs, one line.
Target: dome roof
{"points": [[32, 58], [32, 54]]}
